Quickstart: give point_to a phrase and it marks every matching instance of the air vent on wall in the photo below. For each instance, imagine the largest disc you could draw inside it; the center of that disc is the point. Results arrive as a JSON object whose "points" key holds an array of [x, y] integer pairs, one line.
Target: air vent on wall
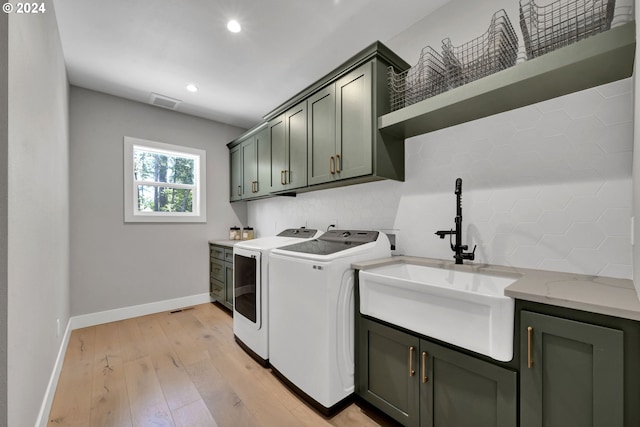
{"points": [[164, 101]]}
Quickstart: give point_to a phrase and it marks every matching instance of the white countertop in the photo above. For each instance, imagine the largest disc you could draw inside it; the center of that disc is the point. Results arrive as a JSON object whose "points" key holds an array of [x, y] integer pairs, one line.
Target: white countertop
{"points": [[603, 295], [224, 242]]}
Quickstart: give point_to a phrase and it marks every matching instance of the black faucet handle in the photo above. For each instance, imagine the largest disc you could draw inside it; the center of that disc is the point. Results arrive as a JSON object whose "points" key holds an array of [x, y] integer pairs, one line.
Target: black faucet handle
{"points": [[442, 233], [470, 255]]}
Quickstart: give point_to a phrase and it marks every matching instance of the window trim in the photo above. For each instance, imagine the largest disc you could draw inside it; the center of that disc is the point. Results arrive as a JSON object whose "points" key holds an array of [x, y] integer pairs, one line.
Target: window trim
{"points": [[131, 213]]}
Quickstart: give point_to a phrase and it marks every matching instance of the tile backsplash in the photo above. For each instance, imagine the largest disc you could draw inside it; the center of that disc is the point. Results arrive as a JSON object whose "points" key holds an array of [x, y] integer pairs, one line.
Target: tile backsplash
{"points": [[546, 186]]}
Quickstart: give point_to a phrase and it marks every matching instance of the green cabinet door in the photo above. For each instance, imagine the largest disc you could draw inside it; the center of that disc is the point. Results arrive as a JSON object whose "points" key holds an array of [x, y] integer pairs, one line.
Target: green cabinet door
{"points": [[263, 163], [249, 167], [278, 164], [462, 391], [340, 128], [322, 136], [295, 175], [571, 373], [228, 295], [354, 123], [387, 371], [419, 383], [235, 167]]}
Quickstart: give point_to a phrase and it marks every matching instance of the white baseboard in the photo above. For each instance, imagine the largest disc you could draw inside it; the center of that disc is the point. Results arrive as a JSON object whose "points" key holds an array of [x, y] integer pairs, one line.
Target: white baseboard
{"points": [[45, 408], [85, 320], [107, 316]]}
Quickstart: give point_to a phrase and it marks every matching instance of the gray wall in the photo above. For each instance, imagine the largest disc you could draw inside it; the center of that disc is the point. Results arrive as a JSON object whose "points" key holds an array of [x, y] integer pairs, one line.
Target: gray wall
{"points": [[38, 209], [114, 264], [4, 148]]}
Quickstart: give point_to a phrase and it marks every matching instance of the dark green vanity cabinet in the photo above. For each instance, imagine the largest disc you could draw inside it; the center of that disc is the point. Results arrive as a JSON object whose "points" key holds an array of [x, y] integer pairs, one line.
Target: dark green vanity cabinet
{"points": [[577, 368], [250, 165], [221, 274], [571, 373], [420, 383], [340, 131], [288, 134]]}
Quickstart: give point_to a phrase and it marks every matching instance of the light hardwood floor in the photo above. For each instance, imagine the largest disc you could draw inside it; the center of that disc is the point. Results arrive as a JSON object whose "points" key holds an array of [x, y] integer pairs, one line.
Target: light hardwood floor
{"points": [[177, 369]]}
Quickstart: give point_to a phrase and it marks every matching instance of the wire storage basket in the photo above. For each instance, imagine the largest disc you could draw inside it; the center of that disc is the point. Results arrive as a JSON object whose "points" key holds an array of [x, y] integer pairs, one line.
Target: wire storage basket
{"points": [[495, 50], [424, 80], [562, 22]]}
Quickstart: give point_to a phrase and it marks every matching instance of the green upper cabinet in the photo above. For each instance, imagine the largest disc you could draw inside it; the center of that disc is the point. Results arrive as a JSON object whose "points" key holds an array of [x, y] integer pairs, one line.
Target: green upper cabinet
{"points": [[322, 135], [327, 135], [250, 165], [288, 133], [235, 160], [256, 165], [340, 128], [571, 373]]}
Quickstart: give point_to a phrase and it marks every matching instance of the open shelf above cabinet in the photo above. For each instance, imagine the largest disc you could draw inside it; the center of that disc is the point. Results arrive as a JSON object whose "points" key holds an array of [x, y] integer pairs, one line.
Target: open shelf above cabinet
{"points": [[600, 59]]}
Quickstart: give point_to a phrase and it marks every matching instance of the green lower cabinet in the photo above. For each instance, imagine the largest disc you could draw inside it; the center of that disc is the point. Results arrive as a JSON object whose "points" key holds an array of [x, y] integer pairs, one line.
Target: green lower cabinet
{"points": [[221, 274], [419, 383], [228, 296], [571, 373], [383, 378]]}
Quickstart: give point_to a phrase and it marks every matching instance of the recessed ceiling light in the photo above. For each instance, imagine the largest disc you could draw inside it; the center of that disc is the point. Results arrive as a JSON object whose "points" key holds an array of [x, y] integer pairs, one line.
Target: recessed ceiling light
{"points": [[192, 88], [234, 26]]}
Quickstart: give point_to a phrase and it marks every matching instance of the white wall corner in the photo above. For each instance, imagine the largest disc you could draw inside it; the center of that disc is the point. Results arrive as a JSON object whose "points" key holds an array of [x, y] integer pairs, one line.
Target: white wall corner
{"points": [[45, 408]]}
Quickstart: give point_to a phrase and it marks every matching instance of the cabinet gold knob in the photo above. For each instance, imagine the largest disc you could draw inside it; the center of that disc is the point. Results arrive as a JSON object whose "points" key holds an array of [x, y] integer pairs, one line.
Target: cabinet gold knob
{"points": [[337, 163]]}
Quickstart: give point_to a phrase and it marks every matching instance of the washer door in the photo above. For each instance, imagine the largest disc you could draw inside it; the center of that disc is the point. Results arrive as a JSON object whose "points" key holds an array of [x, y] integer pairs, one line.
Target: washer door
{"points": [[247, 286]]}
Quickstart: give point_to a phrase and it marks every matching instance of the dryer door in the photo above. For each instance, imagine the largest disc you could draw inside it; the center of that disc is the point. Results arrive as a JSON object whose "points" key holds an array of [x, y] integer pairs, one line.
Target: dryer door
{"points": [[247, 284]]}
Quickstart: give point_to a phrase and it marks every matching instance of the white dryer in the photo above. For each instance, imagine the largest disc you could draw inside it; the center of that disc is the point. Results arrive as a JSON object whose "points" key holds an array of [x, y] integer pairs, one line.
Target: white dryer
{"points": [[311, 313], [250, 285]]}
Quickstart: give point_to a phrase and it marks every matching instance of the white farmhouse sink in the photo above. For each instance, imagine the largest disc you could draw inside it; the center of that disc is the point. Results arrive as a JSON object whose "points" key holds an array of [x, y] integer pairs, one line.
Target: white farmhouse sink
{"points": [[466, 309]]}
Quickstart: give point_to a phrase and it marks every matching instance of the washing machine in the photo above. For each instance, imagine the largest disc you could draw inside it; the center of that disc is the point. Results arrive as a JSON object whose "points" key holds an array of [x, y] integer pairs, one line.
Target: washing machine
{"points": [[311, 313], [250, 289]]}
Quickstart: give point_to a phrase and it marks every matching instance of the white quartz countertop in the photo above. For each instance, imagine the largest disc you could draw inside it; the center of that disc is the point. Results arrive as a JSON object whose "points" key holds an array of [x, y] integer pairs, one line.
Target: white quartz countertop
{"points": [[224, 242], [603, 295]]}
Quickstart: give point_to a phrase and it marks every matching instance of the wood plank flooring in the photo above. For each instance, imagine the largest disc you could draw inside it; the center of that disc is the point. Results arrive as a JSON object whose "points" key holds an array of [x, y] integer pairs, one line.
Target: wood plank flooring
{"points": [[177, 369]]}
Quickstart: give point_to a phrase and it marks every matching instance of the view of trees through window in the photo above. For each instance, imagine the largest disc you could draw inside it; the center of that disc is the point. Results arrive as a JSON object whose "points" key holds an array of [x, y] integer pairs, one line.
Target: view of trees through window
{"points": [[165, 181]]}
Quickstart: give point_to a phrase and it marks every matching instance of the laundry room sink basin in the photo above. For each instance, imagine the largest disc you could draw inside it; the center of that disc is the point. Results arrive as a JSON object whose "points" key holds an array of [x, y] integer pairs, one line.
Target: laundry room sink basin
{"points": [[466, 309]]}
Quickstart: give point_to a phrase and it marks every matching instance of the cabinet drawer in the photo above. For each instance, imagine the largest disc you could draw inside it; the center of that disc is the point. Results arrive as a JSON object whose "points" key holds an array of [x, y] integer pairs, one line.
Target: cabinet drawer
{"points": [[216, 289], [228, 255], [216, 252], [218, 270]]}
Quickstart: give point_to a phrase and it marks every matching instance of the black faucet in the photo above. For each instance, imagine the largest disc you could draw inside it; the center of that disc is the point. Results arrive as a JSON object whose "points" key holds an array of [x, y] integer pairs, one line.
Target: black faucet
{"points": [[458, 248]]}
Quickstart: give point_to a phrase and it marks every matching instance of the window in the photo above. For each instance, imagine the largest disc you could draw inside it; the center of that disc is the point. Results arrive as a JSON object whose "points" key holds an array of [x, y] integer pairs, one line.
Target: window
{"points": [[163, 182]]}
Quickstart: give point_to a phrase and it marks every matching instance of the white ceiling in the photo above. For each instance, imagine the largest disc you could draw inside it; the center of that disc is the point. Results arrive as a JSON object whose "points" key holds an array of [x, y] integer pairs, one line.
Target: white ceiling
{"points": [[132, 48]]}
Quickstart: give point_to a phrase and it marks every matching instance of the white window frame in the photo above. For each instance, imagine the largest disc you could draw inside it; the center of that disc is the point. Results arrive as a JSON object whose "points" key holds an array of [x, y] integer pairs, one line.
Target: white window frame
{"points": [[131, 212]]}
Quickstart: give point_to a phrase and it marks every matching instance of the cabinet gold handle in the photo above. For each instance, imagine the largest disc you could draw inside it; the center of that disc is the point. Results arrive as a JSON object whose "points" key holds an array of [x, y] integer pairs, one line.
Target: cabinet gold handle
{"points": [[424, 368], [529, 347], [287, 177], [337, 163], [332, 165], [412, 371], [282, 177], [239, 190], [254, 186]]}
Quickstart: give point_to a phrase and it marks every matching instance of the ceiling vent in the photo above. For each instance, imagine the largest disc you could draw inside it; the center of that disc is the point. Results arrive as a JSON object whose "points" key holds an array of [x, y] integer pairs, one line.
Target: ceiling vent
{"points": [[164, 101]]}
